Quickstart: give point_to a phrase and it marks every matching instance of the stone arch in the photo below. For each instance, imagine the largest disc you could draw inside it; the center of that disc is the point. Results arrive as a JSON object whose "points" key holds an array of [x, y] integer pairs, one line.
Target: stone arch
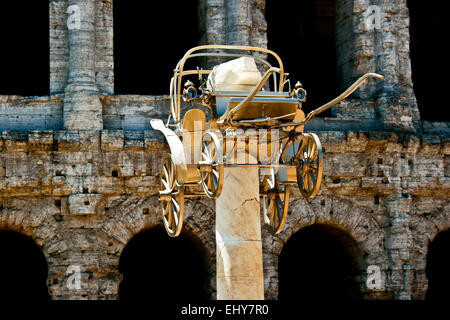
{"points": [[425, 226], [438, 266], [24, 268], [311, 26], [35, 218], [128, 216], [334, 210], [359, 222], [156, 266], [429, 27], [143, 69], [320, 262]]}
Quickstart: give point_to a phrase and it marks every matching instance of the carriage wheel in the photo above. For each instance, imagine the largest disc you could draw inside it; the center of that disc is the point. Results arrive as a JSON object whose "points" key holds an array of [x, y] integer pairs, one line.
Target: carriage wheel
{"points": [[275, 201], [211, 165], [309, 165], [172, 198]]}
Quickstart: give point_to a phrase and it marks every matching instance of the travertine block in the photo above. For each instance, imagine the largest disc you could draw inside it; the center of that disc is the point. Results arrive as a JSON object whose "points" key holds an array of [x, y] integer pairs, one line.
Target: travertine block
{"points": [[40, 140], [112, 140], [83, 203], [15, 141]]}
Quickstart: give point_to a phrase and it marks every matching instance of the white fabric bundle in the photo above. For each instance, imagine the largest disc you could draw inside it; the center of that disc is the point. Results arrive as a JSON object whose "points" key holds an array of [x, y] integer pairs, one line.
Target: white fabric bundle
{"points": [[239, 74]]}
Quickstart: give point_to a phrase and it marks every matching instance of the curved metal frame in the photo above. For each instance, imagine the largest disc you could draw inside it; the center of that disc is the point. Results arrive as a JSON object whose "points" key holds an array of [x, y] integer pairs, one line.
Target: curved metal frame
{"points": [[335, 101], [179, 72]]}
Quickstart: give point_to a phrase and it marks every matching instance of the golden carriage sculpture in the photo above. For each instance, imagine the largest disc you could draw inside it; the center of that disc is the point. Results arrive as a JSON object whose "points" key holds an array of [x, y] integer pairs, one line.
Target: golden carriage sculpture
{"points": [[233, 97]]}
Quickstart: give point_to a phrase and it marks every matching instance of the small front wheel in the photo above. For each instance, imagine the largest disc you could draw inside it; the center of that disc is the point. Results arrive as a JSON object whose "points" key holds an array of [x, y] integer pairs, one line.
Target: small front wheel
{"points": [[171, 197], [211, 165], [309, 165]]}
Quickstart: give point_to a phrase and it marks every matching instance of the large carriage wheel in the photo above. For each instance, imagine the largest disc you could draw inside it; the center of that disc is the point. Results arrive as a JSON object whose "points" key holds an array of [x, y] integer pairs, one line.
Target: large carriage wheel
{"points": [[275, 202], [172, 198], [211, 165], [309, 165]]}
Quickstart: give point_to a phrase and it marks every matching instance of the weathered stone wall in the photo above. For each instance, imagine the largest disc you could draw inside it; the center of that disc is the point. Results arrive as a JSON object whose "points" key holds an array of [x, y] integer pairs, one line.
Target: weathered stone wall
{"points": [[83, 194], [390, 192], [235, 22], [25, 113], [59, 46], [384, 50], [130, 112], [104, 57]]}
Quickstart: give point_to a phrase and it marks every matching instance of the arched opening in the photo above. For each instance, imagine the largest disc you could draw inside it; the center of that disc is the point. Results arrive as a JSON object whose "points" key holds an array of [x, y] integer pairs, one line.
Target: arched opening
{"points": [[319, 263], [156, 266], [24, 34], [23, 268], [149, 39], [438, 267], [429, 51], [303, 34]]}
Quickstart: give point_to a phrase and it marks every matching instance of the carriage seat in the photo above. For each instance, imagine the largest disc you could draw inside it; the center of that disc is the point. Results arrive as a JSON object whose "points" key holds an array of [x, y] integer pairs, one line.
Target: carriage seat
{"points": [[232, 81]]}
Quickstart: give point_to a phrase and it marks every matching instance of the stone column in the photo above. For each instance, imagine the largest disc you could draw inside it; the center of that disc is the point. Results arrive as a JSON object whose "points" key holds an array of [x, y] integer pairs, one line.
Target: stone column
{"points": [[238, 236], [82, 107], [238, 22], [376, 39], [397, 103], [399, 243]]}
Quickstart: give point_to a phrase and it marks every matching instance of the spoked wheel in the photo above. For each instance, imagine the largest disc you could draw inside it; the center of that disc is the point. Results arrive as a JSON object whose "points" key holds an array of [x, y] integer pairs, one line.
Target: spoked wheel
{"points": [[275, 202], [172, 198], [309, 165], [211, 165]]}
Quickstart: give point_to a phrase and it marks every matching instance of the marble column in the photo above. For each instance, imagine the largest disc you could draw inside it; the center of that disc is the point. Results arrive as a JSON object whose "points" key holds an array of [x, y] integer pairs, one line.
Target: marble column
{"points": [[82, 106], [238, 236]]}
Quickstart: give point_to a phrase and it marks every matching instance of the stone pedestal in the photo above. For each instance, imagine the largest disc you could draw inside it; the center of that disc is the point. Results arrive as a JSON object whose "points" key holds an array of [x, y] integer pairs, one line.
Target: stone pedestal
{"points": [[238, 236]]}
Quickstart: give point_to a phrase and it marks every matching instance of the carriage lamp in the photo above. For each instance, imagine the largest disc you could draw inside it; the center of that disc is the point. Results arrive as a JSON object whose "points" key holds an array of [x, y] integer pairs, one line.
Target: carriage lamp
{"points": [[189, 92], [300, 93]]}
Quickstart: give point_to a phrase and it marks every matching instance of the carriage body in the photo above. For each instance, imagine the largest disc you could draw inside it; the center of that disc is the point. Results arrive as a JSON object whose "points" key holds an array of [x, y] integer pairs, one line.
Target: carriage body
{"points": [[240, 113]]}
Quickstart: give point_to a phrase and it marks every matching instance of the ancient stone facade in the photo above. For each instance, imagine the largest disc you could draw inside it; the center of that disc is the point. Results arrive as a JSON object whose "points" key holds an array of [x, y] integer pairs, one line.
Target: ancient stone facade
{"points": [[79, 168]]}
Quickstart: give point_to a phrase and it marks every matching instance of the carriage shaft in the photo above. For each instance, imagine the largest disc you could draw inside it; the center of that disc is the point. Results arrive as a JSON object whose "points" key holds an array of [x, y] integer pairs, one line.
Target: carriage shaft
{"points": [[335, 101]]}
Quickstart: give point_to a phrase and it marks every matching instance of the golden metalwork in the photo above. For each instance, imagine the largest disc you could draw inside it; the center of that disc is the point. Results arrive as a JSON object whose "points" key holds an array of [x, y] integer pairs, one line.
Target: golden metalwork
{"points": [[172, 198], [309, 165], [217, 111], [211, 165], [275, 202]]}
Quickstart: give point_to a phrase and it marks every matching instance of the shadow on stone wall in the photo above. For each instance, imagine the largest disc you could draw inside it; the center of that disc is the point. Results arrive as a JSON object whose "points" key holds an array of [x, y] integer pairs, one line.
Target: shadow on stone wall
{"points": [[319, 263], [157, 267], [23, 268], [438, 266]]}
